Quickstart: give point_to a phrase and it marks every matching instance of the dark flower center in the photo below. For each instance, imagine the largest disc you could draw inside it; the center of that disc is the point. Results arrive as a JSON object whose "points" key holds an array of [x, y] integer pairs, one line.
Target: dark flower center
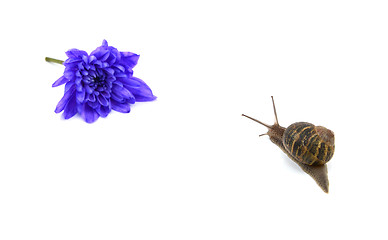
{"points": [[97, 83]]}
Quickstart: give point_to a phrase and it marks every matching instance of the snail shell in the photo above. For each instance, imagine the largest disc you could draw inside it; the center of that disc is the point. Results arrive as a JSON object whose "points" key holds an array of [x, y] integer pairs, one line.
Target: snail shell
{"points": [[309, 144]]}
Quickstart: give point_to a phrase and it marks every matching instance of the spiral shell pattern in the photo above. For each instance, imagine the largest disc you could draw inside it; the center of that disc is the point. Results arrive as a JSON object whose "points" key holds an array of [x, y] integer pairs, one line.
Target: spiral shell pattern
{"points": [[309, 144]]}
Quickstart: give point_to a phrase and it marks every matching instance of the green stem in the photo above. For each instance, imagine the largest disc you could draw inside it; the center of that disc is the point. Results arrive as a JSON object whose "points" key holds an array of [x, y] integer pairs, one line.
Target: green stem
{"points": [[53, 60]]}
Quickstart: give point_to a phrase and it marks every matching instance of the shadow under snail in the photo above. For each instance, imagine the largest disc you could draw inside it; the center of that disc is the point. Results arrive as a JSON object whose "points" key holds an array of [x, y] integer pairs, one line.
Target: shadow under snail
{"points": [[309, 146]]}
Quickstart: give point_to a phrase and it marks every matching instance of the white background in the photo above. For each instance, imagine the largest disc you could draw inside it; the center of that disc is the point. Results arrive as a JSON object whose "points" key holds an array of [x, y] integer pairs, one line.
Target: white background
{"points": [[188, 166]]}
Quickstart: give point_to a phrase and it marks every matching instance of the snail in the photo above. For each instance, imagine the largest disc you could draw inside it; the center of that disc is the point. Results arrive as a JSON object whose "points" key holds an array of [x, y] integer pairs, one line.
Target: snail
{"points": [[309, 146]]}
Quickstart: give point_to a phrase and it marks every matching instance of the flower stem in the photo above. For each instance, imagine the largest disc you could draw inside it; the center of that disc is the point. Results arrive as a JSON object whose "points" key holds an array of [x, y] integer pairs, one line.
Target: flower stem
{"points": [[53, 60]]}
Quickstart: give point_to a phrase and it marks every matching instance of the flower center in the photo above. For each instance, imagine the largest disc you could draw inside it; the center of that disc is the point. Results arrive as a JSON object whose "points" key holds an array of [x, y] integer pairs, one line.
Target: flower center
{"points": [[97, 83]]}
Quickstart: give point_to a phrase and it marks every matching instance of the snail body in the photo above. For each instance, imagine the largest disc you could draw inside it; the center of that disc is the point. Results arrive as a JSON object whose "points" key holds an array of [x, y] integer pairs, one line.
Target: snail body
{"points": [[310, 146]]}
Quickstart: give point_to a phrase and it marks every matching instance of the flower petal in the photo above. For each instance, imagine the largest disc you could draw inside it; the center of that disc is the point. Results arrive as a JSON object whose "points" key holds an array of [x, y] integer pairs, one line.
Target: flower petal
{"points": [[129, 58], [142, 93], [103, 111], [75, 53], [92, 59], [105, 56], [89, 114], [62, 103], [70, 73], [120, 75], [94, 105], [131, 81], [116, 97], [70, 62], [120, 107], [113, 56], [69, 85], [122, 91], [81, 95], [100, 53], [109, 71], [102, 100], [105, 94], [92, 97], [88, 89], [60, 81], [119, 67], [71, 108]]}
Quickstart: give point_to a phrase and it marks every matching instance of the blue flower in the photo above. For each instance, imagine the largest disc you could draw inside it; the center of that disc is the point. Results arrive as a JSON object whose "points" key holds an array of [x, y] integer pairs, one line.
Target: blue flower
{"points": [[100, 82]]}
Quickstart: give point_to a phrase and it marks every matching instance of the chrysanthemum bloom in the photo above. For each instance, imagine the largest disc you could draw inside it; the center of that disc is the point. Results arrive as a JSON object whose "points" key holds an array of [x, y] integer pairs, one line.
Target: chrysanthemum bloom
{"points": [[100, 82]]}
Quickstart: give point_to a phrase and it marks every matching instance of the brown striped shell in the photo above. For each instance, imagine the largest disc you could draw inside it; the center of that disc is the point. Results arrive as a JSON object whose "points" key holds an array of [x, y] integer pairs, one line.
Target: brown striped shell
{"points": [[309, 144]]}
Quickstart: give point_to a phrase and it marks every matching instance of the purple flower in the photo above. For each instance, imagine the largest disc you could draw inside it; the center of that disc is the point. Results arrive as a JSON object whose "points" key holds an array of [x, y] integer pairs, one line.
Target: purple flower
{"points": [[100, 82]]}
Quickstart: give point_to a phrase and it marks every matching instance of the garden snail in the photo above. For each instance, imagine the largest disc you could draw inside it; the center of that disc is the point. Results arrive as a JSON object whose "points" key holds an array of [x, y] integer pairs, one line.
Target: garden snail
{"points": [[311, 147]]}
